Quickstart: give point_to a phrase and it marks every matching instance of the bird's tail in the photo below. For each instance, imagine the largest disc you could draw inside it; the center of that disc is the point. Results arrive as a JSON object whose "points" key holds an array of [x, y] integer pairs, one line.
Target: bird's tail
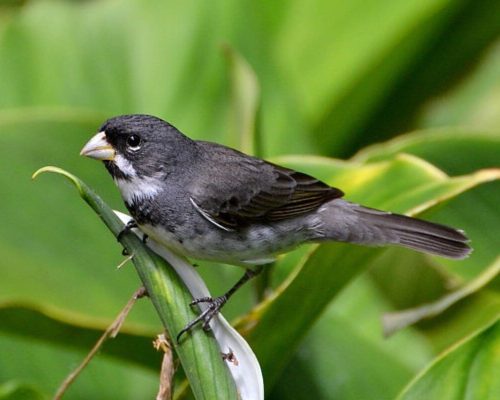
{"points": [[349, 222]]}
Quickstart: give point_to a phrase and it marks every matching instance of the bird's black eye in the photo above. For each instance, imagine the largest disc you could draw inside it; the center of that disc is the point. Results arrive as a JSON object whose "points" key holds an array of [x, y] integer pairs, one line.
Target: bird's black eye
{"points": [[134, 142]]}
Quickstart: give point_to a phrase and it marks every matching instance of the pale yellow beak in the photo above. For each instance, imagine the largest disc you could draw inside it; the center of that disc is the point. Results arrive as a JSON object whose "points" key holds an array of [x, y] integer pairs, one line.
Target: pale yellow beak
{"points": [[99, 148]]}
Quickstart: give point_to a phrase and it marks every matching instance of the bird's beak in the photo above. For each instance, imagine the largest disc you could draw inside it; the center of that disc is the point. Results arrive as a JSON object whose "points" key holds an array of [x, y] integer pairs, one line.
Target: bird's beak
{"points": [[99, 148]]}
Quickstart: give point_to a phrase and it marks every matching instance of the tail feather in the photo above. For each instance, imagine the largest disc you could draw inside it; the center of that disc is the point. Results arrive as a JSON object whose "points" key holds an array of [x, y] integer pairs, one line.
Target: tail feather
{"points": [[358, 224], [435, 244]]}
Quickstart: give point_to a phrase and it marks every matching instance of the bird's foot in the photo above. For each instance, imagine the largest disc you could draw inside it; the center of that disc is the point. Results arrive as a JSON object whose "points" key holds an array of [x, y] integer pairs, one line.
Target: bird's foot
{"points": [[216, 303], [214, 306], [127, 228]]}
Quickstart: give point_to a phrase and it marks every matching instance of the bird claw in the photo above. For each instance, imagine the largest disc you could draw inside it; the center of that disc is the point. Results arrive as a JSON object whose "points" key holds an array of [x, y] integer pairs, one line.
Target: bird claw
{"points": [[127, 228], [214, 306]]}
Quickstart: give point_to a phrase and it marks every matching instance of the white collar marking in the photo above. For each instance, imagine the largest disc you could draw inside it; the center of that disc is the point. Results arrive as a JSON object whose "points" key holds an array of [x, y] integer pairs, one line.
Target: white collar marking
{"points": [[124, 166], [136, 189]]}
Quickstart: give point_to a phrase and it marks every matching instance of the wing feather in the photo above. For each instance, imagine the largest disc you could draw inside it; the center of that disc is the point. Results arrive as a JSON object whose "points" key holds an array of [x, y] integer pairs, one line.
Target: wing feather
{"points": [[252, 190]]}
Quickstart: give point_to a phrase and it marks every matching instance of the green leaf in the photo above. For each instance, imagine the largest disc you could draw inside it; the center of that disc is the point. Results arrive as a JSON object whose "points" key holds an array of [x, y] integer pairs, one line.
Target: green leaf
{"points": [[469, 315], [348, 59], [296, 307], [333, 75], [322, 96], [43, 367], [444, 148], [457, 38], [403, 184], [412, 280], [409, 279], [58, 329], [474, 101], [245, 93], [468, 370], [457, 151], [346, 81], [199, 354], [346, 340], [17, 391], [393, 322]]}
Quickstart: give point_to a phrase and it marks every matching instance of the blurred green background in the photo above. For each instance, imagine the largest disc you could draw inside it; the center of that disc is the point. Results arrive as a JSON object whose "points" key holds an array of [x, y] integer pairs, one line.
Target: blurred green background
{"points": [[322, 77]]}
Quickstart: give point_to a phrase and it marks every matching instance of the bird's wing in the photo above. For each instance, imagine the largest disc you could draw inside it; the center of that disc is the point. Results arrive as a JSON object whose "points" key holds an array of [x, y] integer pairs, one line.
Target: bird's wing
{"points": [[235, 190]]}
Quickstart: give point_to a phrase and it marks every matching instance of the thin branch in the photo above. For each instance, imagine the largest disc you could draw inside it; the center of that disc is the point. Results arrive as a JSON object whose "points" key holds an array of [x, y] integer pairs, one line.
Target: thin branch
{"points": [[110, 332], [167, 368]]}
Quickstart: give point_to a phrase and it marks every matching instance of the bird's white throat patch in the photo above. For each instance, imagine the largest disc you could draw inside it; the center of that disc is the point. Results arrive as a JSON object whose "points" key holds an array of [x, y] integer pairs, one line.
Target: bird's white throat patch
{"points": [[137, 189], [124, 166]]}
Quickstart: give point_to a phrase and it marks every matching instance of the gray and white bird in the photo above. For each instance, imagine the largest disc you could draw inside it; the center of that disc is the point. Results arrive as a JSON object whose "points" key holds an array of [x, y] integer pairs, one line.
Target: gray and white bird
{"points": [[210, 202]]}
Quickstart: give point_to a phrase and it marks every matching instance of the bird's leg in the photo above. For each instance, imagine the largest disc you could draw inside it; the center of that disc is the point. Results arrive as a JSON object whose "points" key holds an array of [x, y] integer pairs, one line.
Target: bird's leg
{"points": [[127, 228], [216, 303]]}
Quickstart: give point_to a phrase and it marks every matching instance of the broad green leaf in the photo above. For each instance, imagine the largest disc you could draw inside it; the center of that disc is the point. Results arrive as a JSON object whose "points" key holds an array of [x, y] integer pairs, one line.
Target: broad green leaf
{"points": [[295, 306], [46, 253], [62, 330], [458, 151], [245, 94], [413, 280], [117, 59], [346, 81], [475, 101], [409, 280], [341, 356], [200, 355], [465, 317], [398, 320], [14, 390], [477, 213], [340, 78], [348, 71], [454, 150], [144, 57], [32, 362], [296, 303], [468, 370], [461, 34]]}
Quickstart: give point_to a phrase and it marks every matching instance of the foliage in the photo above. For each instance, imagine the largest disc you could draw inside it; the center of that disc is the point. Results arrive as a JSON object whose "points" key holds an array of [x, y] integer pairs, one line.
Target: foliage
{"points": [[332, 77]]}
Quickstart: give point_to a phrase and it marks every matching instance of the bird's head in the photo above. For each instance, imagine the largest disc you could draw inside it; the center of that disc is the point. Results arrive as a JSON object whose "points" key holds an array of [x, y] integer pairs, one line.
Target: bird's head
{"points": [[138, 146]]}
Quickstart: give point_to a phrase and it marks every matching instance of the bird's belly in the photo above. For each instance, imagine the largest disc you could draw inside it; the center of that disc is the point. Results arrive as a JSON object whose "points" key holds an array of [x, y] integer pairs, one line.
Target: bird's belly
{"points": [[253, 246]]}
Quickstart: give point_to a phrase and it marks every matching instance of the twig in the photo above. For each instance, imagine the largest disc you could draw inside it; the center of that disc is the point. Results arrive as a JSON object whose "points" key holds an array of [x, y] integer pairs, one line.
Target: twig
{"points": [[167, 368], [126, 260], [110, 332]]}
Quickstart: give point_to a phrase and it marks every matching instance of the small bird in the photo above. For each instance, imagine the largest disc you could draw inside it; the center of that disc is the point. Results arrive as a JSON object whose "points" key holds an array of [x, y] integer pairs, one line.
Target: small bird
{"points": [[207, 201]]}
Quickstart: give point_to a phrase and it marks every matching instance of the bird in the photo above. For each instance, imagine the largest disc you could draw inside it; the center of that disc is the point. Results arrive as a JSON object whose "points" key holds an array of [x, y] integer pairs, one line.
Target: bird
{"points": [[207, 201]]}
